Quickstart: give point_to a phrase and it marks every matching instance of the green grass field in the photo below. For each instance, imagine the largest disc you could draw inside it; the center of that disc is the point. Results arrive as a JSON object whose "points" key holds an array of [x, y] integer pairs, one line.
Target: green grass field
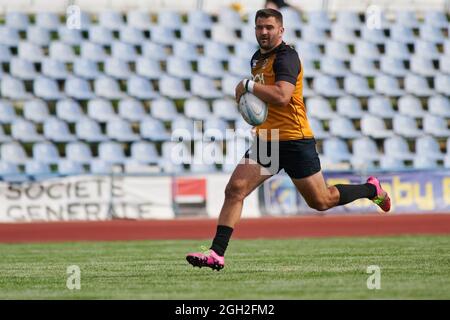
{"points": [[411, 268]]}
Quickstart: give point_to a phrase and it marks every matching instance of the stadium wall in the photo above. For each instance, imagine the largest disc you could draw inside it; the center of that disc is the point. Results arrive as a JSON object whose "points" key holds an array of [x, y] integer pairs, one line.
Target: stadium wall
{"points": [[142, 197]]}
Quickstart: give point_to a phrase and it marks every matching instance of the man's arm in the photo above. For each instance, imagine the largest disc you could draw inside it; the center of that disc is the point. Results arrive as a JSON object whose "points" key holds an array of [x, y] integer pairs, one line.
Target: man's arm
{"points": [[279, 94]]}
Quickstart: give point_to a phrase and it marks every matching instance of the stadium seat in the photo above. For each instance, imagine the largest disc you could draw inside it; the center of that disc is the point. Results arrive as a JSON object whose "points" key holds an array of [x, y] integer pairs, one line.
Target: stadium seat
{"points": [[439, 105], [308, 50], [70, 36], [309, 70], [397, 147], [388, 86], [381, 106], [153, 51], [348, 18], [363, 66], [7, 112], [163, 109], [343, 128], [426, 49], [30, 51], [197, 109], [229, 83], [336, 150], [393, 66], [38, 170], [108, 88], [225, 109], [17, 20], [173, 88], [374, 127], [153, 129], [235, 150], [111, 152], [374, 35], [68, 167], [101, 110], [390, 163], [436, 18], [131, 35], [89, 130], [229, 18], [86, 69], [179, 68], [110, 19], [210, 67], [245, 50], [139, 19], [69, 110], [184, 129], [170, 19], [407, 18], [411, 106], [22, 69], [327, 86], [100, 35], [204, 88], [98, 166], [216, 50], [436, 125], [47, 20], [13, 152], [317, 128], [14, 89], [185, 50], [194, 35], [341, 33], [431, 33], [3, 137], [337, 50], [215, 129], [366, 149], [173, 156], [120, 130], [93, 51], [10, 172], [319, 19], [25, 131], [422, 66], [9, 36], [406, 126], [79, 152], [243, 129], [199, 19], [45, 152], [144, 152], [349, 107], [54, 69], [428, 146], [38, 35], [402, 34], [57, 130], [78, 88], [61, 51], [366, 49], [46, 89], [117, 68], [397, 50], [206, 155], [417, 85], [131, 110], [123, 51], [357, 86], [333, 66], [35, 110], [442, 84], [5, 54], [291, 17], [320, 108], [239, 67], [248, 34], [424, 162], [316, 35], [148, 68], [162, 35], [444, 64]]}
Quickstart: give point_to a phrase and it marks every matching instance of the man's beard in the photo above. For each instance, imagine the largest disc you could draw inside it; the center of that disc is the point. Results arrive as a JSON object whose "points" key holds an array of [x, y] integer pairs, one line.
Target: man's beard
{"points": [[265, 46]]}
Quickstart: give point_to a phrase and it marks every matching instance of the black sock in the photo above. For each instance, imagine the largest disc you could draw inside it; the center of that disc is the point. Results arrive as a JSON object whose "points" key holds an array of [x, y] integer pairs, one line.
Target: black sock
{"points": [[351, 192], [220, 242]]}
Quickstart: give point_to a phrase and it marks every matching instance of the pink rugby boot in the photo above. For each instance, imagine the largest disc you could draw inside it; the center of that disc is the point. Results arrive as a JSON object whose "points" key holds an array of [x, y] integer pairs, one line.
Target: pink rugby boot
{"points": [[382, 198], [209, 259]]}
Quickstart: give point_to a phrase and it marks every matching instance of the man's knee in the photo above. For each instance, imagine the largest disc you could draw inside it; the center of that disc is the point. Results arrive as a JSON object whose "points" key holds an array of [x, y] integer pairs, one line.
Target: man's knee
{"points": [[236, 190], [320, 204]]}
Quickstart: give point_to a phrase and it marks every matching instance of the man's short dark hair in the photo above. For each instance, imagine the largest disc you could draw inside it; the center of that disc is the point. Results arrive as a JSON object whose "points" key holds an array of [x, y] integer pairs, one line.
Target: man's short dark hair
{"points": [[267, 13]]}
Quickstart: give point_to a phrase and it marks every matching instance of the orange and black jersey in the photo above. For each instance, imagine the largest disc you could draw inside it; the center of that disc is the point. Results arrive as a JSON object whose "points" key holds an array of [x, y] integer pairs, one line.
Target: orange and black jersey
{"points": [[283, 64]]}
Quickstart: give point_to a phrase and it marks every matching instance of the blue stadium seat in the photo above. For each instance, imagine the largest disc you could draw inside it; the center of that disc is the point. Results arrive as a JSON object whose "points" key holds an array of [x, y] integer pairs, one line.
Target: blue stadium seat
{"points": [[199, 19], [436, 18], [206, 155], [320, 108], [319, 19], [236, 149], [229, 83], [374, 127], [185, 129], [317, 128], [248, 34], [417, 85], [225, 109], [397, 147], [70, 36], [196, 108], [7, 112], [78, 88], [426, 49], [110, 19], [148, 68], [101, 110], [173, 155], [170, 19], [224, 34], [365, 148], [186, 50], [308, 50], [428, 146], [5, 53], [366, 49], [239, 67], [22, 69], [374, 35], [215, 129], [30, 51], [57, 130], [337, 50], [422, 66], [3, 137], [131, 35], [141, 88], [14, 88], [123, 51], [357, 86], [9, 172], [162, 35], [291, 17], [144, 152], [393, 66], [35, 110], [62, 51], [390, 163], [108, 88], [388, 86], [154, 51], [69, 110], [89, 130], [93, 51], [163, 109], [193, 34], [363, 66], [173, 88], [407, 18], [13, 152], [98, 166], [349, 107], [406, 126], [111, 152], [402, 34], [348, 18], [45, 152], [68, 167], [131, 109], [79, 152], [436, 125], [210, 67], [439, 105], [153, 130], [315, 35], [9, 36], [229, 18], [424, 162], [117, 68], [38, 35], [381, 106], [48, 20], [85, 68], [121, 130], [309, 70], [25, 131], [179, 67], [54, 69], [410, 105], [444, 64], [336, 150], [397, 49], [327, 86], [442, 84], [139, 19], [341, 33], [333, 66], [17, 20], [204, 88], [343, 128], [46, 89], [431, 33], [38, 170], [245, 50]]}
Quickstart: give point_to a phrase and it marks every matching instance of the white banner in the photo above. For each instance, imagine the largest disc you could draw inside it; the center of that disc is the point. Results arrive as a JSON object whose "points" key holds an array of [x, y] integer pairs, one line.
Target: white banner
{"points": [[87, 198]]}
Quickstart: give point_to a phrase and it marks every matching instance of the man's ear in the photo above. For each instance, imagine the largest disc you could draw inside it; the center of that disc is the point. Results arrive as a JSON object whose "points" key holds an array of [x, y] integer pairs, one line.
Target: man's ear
{"points": [[281, 30]]}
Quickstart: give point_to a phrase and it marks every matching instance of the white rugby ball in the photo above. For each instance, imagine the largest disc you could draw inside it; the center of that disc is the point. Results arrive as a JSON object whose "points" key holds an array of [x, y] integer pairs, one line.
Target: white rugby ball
{"points": [[253, 110]]}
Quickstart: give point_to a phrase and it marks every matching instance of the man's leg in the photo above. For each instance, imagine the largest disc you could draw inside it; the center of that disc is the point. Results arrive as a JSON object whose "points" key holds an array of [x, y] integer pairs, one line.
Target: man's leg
{"points": [[246, 177], [321, 197]]}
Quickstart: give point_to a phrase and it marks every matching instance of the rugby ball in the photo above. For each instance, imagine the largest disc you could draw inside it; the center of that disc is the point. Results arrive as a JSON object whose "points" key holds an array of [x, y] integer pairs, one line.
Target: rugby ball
{"points": [[253, 110]]}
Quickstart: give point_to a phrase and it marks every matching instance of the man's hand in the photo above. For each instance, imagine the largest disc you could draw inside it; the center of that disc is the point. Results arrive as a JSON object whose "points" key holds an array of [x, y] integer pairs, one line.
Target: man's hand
{"points": [[239, 91]]}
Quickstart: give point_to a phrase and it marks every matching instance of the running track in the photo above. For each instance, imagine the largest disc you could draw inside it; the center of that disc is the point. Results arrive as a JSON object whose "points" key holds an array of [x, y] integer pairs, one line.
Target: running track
{"points": [[292, 227]]}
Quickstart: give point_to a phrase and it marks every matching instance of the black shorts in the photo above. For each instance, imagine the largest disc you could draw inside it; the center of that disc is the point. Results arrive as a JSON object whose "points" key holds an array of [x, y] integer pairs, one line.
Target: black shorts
{"points": [[299, 158]]}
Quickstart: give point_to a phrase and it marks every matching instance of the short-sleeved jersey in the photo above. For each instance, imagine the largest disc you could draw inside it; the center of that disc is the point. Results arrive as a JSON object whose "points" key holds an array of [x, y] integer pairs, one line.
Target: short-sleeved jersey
{"points": [[283, 64]]}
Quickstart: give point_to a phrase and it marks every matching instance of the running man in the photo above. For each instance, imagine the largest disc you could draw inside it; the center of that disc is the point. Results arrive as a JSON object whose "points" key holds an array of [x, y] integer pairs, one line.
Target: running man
{"points": [[277, 79]]}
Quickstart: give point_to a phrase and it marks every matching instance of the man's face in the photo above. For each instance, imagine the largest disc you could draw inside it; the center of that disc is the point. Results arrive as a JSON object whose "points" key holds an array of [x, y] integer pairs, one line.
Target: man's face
{"points": [[268, 32]]}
